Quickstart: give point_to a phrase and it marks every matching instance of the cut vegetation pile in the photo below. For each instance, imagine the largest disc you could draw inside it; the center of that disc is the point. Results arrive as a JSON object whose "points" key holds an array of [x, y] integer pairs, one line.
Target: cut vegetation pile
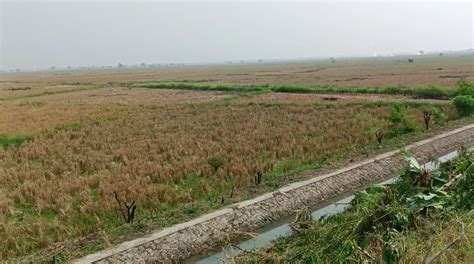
{"points": [[425, 216]]}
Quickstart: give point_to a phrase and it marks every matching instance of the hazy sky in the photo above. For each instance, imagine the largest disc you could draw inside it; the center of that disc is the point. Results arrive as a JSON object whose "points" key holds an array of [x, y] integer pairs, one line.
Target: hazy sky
{"points": [[41, 34]]}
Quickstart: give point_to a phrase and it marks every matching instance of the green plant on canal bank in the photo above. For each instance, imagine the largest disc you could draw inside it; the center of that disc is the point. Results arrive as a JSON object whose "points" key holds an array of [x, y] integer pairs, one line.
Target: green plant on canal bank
{"points": [[416, 219]]}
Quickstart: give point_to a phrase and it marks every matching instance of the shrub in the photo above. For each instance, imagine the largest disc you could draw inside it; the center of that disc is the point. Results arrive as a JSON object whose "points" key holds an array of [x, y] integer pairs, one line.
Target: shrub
{"points": [[198, 86], [390, 90], [465, 88], [464, 196], [431, 92], [434, 115], [291, 89], [464, 104], [439, 117], [376, 131], [401, 121], [216, 161]]}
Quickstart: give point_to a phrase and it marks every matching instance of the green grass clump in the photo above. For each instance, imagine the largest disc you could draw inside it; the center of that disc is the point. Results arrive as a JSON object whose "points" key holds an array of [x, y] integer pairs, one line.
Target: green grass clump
{"points": [[216, 161], [292, 166], [429, 92], [401, 122], [75, 83], [412, 104], [198, 86], [7, 141], [292, 89]]}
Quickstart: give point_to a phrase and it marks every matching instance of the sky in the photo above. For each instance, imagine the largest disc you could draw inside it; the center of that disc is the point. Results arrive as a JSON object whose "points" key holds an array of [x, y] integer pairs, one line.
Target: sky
{"points": [[41, 34]]}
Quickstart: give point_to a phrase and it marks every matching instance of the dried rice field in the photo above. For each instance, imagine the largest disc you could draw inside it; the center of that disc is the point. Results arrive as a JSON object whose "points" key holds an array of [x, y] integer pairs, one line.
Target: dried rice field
{"points": [[367, 72], [177, 153]]}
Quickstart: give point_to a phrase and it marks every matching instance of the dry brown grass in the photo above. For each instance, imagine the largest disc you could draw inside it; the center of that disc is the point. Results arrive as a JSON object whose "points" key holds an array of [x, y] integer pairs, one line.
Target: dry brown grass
{"points": [[295, 98], [158, 155], [157, 147], [437, 235], [10, 91], [172, 149], [28, 116], [371, 72], [132, 96]]}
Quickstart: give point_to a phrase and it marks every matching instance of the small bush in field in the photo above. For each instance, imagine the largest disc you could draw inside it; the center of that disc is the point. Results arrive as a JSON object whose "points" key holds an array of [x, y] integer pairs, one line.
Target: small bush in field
{"points": [[401, 121], [375, 131], [438, 116], [465, 88], [216, 161], [464, 104]]}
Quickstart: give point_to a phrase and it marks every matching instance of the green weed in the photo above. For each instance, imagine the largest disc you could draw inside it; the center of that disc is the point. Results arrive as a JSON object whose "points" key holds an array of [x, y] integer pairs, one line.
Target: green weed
{"points": [[7, 141]]}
